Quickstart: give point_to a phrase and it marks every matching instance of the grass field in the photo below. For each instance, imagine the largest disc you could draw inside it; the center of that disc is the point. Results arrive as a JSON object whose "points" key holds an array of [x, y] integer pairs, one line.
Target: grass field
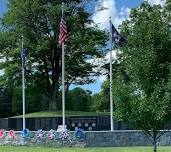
{"points": [[111, 149], [59, 113]]}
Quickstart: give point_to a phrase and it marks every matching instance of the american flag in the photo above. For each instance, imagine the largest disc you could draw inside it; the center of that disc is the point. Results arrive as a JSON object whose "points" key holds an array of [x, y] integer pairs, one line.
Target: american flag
{"points": [[63, 32]]}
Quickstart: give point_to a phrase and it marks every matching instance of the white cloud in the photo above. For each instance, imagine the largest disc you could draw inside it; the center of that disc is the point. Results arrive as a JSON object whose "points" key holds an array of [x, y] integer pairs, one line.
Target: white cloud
{"points": [[103, 11], [2, 72], [107, 57], [100, 62], [106, 9], [2, 59], [152, 2]]}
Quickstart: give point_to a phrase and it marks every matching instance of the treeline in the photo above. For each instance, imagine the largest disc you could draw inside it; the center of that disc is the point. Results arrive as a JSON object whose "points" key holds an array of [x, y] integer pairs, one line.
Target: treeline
{"points": [[77, 99]]}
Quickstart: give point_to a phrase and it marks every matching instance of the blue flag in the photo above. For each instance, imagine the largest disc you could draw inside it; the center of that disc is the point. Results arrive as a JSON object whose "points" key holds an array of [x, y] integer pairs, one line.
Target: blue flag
{"points": [[117, 37], [23, 56]]}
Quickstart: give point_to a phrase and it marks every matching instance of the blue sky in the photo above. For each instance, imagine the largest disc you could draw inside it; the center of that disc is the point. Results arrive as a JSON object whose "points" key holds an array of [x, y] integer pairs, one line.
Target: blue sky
{"points": [[117, 9], [127, 3], [3, 7]]}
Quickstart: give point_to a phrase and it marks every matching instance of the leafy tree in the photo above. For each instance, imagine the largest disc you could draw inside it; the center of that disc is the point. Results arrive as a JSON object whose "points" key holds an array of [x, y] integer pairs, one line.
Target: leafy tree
{"points": [[167, 10], [142, 85], [101, 100], [79, 100], [38, 22], [35, 100], [5, 102]]}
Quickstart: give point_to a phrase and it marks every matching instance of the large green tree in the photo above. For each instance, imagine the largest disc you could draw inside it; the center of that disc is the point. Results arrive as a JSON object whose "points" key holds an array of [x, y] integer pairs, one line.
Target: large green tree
{"points": [[5, 102], [100, 101], [38, 22], [79, 99], [142, 91], [36, 100]]}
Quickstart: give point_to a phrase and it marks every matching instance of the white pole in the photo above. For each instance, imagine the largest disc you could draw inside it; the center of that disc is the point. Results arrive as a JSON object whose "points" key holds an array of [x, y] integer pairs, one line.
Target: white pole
{"points": [[111, 99], [23, 86], [63, 81], [63, 87]]}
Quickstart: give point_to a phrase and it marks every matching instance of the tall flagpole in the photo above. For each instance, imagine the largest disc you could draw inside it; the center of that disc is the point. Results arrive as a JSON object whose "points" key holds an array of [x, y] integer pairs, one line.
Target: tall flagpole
{"points": [[23, 85], [63, 80], [111, 99]]}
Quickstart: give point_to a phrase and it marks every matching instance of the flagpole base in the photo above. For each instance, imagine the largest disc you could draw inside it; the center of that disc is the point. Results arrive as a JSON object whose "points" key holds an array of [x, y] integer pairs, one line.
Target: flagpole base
{"points": [[61, 128]]}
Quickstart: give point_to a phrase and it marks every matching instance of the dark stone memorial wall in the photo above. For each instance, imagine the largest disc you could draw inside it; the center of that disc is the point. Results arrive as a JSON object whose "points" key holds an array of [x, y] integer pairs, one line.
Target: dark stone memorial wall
{"points": [[88, 123]]}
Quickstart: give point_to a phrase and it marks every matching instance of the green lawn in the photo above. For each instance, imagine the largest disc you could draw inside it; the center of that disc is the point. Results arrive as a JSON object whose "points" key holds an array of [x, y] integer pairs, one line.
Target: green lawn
{"points": [[111, 149], [59, 113]]}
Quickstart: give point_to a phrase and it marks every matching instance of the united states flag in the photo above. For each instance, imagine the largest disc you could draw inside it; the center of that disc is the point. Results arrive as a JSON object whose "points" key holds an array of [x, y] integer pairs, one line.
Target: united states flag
{"points": [[63, 32]]}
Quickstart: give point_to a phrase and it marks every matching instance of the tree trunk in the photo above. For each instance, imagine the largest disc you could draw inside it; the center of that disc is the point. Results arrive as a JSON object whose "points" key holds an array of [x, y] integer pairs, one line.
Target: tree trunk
{"points": [[54, 103], [154, 141], [155, 147], [53, 100]]}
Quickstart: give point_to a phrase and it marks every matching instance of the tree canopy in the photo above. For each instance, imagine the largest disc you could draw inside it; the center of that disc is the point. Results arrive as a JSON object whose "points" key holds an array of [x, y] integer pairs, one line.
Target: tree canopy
{"points": [[142, 92], [38, 22]]}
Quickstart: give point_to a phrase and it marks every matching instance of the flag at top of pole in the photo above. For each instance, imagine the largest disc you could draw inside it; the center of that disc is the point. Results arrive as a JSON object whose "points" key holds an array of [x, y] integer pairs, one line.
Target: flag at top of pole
{"points": [[116, 36], [63, 35]]}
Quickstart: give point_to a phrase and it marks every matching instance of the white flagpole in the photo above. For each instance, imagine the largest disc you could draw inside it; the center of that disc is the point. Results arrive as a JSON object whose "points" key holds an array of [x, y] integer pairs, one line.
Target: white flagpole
{"points": [[111, 99], [63, 87], [23, 86], [63, 80]]}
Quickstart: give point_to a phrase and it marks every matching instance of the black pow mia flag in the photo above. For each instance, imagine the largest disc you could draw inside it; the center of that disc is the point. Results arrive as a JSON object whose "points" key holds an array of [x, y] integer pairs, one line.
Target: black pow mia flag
{"points": [[117, 37]]}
